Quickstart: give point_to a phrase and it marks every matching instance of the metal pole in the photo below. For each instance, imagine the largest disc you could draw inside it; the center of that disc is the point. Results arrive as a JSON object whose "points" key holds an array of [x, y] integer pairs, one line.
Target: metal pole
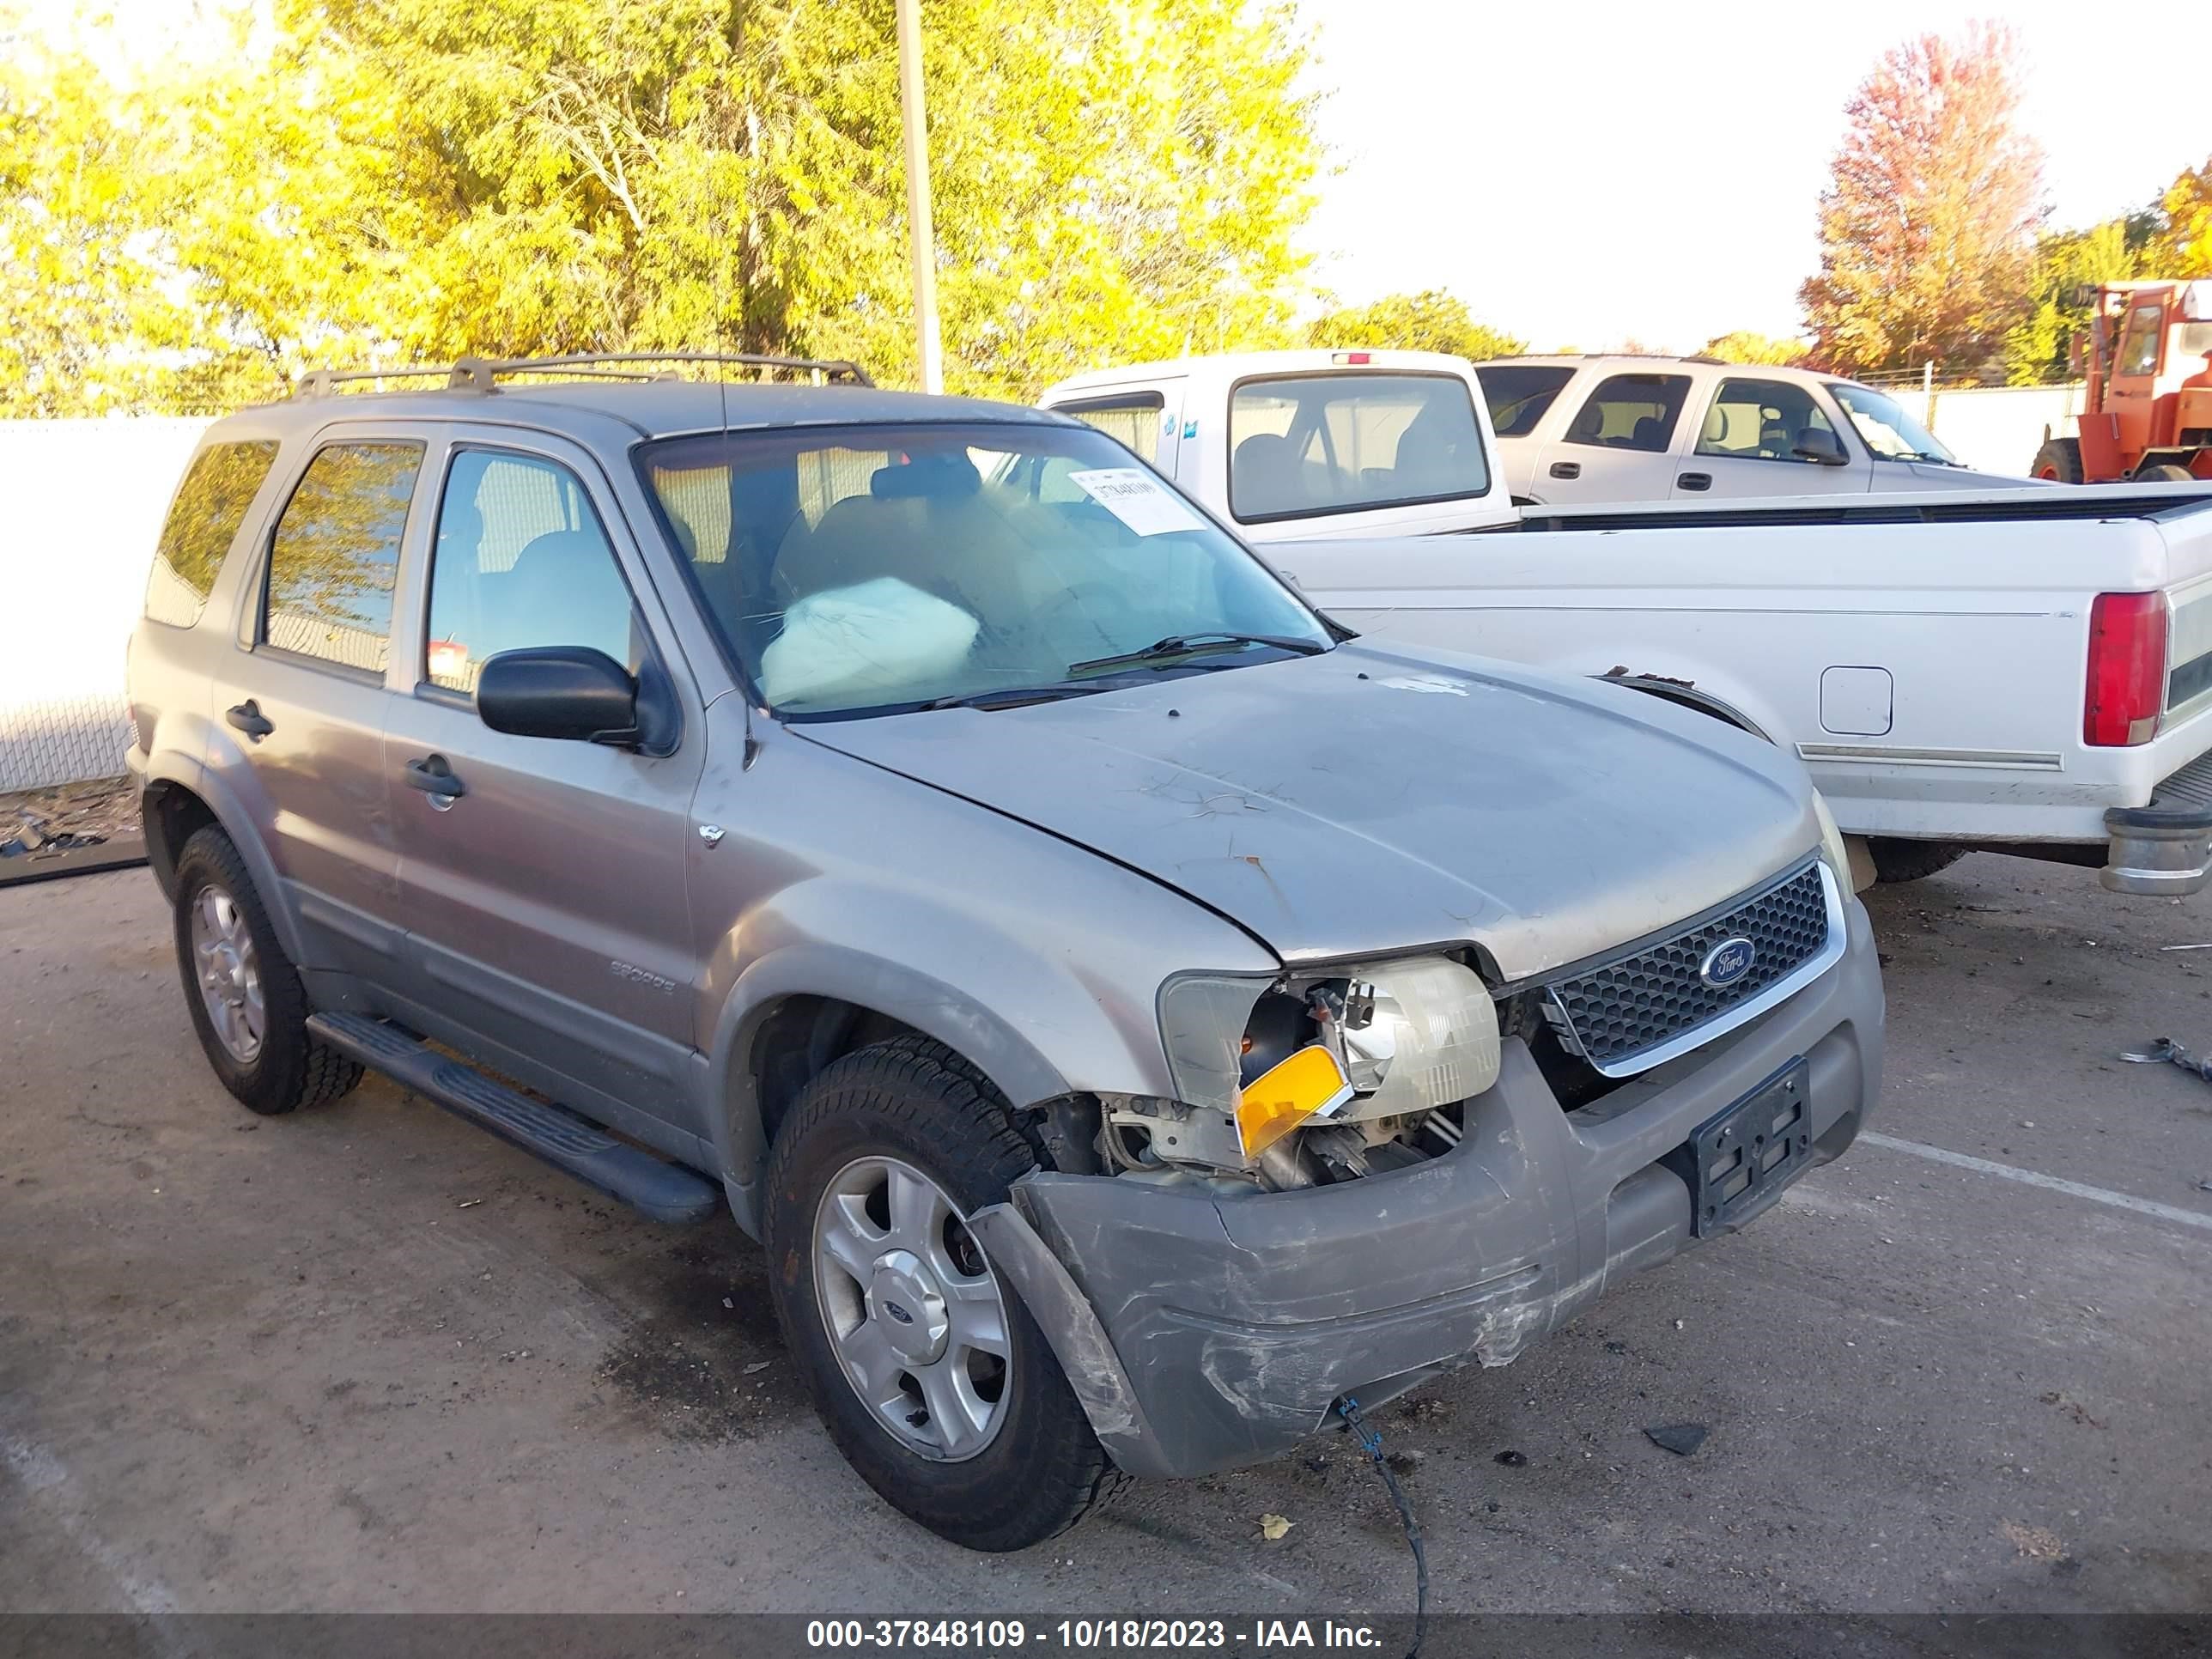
{"points": [[1928, 395], [922, 240]]}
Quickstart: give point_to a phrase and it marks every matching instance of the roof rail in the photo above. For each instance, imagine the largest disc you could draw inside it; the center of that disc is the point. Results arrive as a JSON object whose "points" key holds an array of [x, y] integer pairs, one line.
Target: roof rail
{"points": [[483, 373]]}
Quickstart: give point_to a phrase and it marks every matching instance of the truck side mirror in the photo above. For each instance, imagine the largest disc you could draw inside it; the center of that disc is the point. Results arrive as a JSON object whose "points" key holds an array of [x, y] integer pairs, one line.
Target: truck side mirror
{"points": [[568, 692], [1821, 448]]}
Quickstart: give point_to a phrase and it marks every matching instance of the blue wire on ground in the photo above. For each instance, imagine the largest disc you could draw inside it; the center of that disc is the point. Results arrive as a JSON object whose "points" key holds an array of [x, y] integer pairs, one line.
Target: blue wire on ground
{"points": [[1348, 1409]]}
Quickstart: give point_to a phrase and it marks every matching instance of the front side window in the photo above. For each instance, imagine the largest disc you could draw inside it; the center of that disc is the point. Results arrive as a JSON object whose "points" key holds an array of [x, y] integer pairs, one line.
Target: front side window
{"points": [[974, 560], [1340, 443], [1631, 411], [336, 554], [1760, 421], [210, 505], [522, 561], [2139, 341], [1135, 422], [1520, 394], [1893, 434]]}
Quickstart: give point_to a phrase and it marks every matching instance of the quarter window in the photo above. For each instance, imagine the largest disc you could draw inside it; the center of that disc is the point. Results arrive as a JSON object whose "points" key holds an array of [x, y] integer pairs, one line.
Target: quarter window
{"points": [[1631, 411], [1760, 421], [337, 551], [522, 560], [203, 518]]}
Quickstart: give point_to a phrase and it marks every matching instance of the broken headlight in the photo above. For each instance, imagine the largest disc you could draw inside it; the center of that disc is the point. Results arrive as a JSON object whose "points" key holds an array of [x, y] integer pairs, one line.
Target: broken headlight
{"points": [[1408, 1035]]}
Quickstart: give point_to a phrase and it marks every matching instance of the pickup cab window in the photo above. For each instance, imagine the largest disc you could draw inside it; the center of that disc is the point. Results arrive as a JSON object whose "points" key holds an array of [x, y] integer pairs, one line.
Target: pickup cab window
{"points": [[1760, 421], [1631, 411], [1134, 421], [1301, 446]]}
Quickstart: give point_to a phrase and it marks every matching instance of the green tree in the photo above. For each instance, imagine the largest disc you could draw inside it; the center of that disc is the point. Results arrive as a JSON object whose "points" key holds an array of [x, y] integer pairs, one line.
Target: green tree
{"points": [[2183, 247], [2038, 349], [1927, 224], [1431, 320], [412, 179], [1745, 345]]}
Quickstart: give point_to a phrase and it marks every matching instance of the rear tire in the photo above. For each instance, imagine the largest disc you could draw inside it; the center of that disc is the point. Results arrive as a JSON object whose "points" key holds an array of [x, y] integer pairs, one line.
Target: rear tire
{"points": [[2059, 461], [911, 1105], [244, 995], [2165, 473], [1898, 860]]}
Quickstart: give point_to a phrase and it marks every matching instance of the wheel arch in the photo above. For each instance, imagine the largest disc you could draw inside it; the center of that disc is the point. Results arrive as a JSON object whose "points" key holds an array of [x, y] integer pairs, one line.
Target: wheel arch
{"points": [[180, 796]]}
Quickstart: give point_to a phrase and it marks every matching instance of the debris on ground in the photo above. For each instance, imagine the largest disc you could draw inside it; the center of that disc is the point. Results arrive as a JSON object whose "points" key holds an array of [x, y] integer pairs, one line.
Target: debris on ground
{"points": [[2037, 1543], [1272, 1527], [1512, 1460], [1405, 1462], [60, 818], [2073, 1408], [1680, 1438], [2167, 1051], [758, 1365]]}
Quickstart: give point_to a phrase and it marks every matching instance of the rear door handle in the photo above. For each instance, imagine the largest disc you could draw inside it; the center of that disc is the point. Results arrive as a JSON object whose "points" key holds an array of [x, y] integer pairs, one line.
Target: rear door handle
{"points": [[248, 718], [1566, 469], [434, 777], [1696, 481]]}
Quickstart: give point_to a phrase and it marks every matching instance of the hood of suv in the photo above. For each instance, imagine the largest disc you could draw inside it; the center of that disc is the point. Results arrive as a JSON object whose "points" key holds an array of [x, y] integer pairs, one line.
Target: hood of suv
{"points": [[1364, 801]]}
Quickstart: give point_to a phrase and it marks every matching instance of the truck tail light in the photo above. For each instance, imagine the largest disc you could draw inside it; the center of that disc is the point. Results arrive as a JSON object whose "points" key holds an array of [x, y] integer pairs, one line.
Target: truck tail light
{"points": [[1352, 359], [2127, 669]]}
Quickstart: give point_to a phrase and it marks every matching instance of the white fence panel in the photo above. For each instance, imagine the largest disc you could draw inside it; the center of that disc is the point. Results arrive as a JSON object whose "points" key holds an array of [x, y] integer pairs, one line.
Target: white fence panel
{"points": [[1998, 429], [85, 500]]}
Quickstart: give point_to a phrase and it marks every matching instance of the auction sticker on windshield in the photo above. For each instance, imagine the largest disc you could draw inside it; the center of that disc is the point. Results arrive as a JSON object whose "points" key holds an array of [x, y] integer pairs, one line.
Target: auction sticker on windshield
{"points": [[1137, 499]]}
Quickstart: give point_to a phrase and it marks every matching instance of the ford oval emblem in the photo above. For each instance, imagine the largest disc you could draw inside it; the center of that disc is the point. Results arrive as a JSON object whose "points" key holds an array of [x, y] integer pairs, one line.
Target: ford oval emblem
{"points": [[898, 1313], [1727, 962]]}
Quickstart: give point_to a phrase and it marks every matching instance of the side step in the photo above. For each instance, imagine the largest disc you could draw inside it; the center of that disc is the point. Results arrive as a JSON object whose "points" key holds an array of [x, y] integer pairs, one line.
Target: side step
{"points": [[661, 1190]]}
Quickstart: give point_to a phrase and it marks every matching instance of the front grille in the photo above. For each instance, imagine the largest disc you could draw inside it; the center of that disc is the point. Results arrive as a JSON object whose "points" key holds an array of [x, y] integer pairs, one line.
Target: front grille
{"points": [[1622, 1010]]}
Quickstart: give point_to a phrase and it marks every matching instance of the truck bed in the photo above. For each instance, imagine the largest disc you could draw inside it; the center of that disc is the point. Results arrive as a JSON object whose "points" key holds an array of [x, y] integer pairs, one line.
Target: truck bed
{"points": [[2038, 504]]}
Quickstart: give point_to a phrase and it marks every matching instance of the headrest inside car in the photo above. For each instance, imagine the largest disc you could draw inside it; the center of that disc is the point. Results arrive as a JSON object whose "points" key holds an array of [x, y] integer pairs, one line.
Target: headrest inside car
{"points": [[939, 477]]}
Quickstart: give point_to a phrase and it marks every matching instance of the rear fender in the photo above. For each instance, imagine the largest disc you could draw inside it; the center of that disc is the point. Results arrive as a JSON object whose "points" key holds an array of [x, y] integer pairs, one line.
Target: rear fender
{"points": [[177, 769]]}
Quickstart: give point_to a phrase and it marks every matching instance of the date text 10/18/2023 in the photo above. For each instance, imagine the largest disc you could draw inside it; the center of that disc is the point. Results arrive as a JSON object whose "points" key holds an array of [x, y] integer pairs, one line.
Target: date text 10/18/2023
{"points": [[993, 1636]]}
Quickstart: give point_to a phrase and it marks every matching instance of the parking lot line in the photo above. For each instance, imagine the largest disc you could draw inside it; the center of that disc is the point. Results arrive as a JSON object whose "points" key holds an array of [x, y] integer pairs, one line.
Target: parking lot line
{"points": [[2036, 1178]]}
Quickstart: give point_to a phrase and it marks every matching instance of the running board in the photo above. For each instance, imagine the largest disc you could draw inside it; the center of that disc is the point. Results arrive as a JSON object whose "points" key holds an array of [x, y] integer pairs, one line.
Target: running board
{"points": [[657, 1188]]}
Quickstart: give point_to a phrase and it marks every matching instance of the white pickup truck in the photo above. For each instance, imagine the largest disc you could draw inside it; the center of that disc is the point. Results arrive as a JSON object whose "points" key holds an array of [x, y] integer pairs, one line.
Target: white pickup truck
{"points": [[2022, 670]]}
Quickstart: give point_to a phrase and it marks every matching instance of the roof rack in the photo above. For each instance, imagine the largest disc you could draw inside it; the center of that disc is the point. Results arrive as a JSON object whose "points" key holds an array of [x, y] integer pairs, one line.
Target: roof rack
{"points": [[483, 373]]}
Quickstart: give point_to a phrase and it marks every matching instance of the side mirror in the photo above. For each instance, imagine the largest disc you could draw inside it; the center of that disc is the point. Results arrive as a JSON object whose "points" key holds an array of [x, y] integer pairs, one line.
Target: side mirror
{"points": [[569, 691], [1822, 448]]}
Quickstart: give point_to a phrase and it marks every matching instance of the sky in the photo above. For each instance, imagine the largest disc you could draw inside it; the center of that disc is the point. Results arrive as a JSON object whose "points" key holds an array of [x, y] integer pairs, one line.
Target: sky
{"points": [[1585, 173]]}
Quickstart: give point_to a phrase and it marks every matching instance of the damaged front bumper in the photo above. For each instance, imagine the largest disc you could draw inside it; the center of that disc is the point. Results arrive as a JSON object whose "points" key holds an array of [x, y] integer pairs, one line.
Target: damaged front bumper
{"points": [[1204, 1331]]}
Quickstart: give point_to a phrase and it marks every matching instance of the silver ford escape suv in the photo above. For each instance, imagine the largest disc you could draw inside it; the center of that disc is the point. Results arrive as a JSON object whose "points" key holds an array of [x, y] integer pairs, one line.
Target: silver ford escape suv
{"points": [[1134, 1012]]}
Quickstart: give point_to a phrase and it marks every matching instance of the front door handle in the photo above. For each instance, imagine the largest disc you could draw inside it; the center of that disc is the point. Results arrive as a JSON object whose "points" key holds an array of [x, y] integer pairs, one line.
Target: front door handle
{"points": [[1696, 481], [433, 778], [248, 718], [1566, 469]]}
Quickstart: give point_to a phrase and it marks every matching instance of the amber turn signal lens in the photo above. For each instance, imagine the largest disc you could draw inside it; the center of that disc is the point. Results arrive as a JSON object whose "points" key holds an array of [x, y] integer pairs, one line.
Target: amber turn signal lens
{"points": [[1309, 1084]]}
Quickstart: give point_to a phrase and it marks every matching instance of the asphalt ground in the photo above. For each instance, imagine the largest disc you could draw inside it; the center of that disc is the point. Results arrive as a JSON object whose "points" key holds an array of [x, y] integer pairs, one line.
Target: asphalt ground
{"points": [[369, 1358]]}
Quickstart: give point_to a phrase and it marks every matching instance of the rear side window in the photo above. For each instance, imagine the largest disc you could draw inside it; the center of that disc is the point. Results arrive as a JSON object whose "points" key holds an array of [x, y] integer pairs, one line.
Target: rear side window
{"points": [[1519, 394], [1760, 421], [1344, 443], [1631, 411], [1134, 421], [203, 518], [521, 561], [337, 552]]}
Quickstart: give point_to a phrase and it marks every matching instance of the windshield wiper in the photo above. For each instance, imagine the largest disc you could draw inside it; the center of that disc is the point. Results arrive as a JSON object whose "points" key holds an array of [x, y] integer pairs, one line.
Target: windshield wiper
{"points": [[1007, 697], [1178, 645]]}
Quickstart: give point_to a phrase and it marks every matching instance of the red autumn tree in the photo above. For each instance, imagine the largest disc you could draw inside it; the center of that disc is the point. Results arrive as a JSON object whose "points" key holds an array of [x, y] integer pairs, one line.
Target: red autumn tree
{"points": [[1927, 224]]}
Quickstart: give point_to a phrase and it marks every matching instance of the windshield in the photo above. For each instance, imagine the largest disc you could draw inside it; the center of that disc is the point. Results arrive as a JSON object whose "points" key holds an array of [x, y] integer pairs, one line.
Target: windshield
{"points": [[1519, 393], [1893, 434], [880, 569]]}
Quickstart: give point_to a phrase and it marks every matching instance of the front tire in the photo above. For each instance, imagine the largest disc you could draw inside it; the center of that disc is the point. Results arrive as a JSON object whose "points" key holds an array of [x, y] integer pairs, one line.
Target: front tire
{"points": [[2059, 461], [2165, 472], [1896, 860], [246, 999], [928, 1372]]}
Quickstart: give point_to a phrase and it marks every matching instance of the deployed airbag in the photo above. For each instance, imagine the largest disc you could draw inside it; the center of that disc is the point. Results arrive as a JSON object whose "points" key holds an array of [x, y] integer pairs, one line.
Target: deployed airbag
{"points": [[874, 639]]}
